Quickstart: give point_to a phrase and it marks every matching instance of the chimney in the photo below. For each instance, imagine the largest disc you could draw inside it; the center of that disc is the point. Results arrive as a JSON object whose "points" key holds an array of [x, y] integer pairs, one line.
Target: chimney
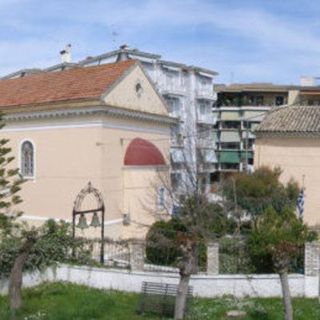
{"points": [[66, 54], [123, 53]]}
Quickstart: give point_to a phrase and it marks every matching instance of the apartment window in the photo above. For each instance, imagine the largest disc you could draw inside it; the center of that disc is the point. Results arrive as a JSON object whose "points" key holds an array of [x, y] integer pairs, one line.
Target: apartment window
{"points": [[279, 100], [204, 82], [27, 159], [171, 77], [259, 100], [230, 145], [174, 105], [203, 106], [176, 135], [254, 100], [230, 125], [176, 181]]}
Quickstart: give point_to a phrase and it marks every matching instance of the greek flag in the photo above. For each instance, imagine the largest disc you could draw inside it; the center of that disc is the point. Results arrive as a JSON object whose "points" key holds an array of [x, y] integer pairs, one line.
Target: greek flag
{"points": [[300, 203]]}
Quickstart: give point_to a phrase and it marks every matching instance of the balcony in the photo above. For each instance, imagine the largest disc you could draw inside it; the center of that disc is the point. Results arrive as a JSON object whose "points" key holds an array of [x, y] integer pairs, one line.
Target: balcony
{"points": [[207, 142], [206, 118], [206, 94], [174, 88], [175, 113], [177, 155], [207, 167], [230, 136], [248, 134]]}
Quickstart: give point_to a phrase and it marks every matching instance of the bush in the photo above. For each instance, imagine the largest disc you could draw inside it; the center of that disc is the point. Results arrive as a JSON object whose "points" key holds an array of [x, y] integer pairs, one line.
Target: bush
{"points": [[234, 256], [161, 246], [55, 245]]}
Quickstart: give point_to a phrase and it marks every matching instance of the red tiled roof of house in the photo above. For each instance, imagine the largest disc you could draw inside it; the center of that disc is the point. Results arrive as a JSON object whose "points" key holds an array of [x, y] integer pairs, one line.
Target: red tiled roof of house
{"points": [[71, 84]]}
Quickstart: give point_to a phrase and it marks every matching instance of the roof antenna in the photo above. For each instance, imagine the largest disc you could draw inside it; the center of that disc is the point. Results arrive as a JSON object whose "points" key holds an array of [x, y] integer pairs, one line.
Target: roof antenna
{"points": [[114, 35], [231, 77]]}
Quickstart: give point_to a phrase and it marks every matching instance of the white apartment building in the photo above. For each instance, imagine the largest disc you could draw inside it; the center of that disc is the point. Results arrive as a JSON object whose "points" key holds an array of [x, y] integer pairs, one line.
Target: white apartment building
{"points": [[188, 91]]}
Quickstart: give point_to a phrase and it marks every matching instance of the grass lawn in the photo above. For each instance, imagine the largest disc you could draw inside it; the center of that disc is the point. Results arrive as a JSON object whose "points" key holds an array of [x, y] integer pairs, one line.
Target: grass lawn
{"points": [[62, 301]]}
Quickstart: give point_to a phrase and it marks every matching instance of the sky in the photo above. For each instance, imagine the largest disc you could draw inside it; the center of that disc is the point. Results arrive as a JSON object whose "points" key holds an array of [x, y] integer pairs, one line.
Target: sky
{"points": [[244, 40]]}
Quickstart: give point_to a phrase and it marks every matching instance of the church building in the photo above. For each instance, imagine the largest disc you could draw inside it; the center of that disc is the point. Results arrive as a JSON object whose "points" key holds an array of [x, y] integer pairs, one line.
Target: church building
{"points": [[104, 125]]}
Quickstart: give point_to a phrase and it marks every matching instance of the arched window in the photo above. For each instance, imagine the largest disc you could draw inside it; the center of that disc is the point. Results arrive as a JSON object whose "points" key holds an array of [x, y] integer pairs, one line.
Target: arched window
{"points": [[27, 159], [161, 198]]}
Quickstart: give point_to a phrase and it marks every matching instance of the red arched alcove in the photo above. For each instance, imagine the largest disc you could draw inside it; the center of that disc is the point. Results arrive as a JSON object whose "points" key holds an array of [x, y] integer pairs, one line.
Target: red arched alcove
{"points": [[141, 152]]}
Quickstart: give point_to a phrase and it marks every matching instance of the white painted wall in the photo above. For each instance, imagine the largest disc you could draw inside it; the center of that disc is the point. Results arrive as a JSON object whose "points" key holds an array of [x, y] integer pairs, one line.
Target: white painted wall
{"points": [[203, 285]]}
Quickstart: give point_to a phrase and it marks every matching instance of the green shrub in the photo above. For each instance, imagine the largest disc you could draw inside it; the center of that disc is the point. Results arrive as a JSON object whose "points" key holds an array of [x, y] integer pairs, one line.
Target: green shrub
{"points": [[162, 248], [55, 244], [161, 242]]}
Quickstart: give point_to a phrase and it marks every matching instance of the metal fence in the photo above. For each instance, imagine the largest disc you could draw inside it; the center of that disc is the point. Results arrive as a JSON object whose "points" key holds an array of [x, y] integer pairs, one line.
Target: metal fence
{"points": [[116, 253]]}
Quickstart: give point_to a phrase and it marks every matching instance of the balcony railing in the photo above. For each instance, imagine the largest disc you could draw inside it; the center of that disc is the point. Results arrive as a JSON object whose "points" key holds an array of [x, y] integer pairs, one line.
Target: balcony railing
{"points": [[206, 143], [206, 93], [207, 118], [168, 88]]}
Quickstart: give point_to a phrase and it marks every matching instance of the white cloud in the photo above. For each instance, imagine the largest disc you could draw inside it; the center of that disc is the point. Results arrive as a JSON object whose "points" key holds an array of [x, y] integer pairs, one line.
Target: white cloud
{"points": [[264, 42]]}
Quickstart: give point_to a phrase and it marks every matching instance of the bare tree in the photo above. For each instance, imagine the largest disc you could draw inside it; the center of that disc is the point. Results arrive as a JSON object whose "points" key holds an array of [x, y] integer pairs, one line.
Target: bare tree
{"points": [[193, 209]]}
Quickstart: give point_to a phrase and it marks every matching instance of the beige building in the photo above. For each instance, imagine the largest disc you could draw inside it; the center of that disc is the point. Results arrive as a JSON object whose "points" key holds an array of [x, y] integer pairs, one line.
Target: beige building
{"points": [[103, 124], [239, 110], [289, 137]]}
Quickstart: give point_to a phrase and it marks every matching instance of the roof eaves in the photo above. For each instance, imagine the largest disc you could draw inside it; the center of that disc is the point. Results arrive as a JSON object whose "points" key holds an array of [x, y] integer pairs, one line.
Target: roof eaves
{"points": [[99, 57], [13, 108], [116, 52], [287, 134], [61, 65], [21, 71], [187, 67]]}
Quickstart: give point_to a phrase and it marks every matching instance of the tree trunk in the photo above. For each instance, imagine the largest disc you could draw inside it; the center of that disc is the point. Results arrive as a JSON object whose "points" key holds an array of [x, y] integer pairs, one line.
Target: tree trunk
{"points": [[286, 296], [187, 266], [15, 280], [181, 297]]}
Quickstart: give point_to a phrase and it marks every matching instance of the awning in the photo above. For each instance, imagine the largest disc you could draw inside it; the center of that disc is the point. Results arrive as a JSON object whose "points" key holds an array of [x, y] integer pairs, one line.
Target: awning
{"points": [[230, 136], [230, 115], [250, 155], [229, 157]]}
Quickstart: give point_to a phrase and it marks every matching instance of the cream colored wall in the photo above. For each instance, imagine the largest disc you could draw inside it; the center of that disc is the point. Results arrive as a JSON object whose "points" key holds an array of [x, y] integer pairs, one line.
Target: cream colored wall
{"points": [[297, 157], [67, 158], [141, 185], [293, 96], [124, 94], [114, 176]]}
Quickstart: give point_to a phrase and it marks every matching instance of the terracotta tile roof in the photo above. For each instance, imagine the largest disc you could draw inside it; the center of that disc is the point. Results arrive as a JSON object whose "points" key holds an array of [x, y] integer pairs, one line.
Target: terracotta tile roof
{"points": [[299, 120], [71, 84]]}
